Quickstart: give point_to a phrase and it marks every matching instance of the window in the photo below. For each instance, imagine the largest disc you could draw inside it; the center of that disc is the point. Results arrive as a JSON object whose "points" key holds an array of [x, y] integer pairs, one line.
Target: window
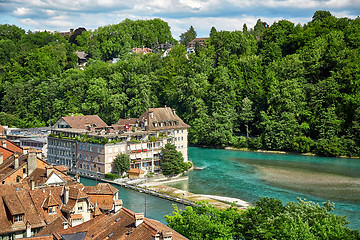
{"points": [[91, 158], [182, 138], [178, 131], [98, 149], [52, 210], [80, 166], [98, 158], [90, 148], [80, 208], [80, 156], [182, 130], [99, 170], [18, 218]]}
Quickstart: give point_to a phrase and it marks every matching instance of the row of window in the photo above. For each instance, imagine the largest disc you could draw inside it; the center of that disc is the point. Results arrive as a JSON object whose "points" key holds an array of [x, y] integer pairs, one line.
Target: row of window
{"points": [[179, 138], [89, 148], [66, 153], [89, 157], [61, 143], [89, 167]]}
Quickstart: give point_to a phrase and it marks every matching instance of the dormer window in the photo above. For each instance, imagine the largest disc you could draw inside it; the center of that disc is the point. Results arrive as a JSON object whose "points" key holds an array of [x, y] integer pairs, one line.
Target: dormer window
{"points": [[18, 218]]}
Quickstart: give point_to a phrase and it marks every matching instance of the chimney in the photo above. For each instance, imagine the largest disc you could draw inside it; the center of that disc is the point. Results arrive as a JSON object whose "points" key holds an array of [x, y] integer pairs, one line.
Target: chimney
{"points": [[49, 169], [1, 158], [4, 143], [31, 161], [66, 195], [174, 112], [65, 225], [139, 218], [151, 114], [16, 161], [77, 178], [32, 184], [28, 229], [166, 235], [118, 205]]}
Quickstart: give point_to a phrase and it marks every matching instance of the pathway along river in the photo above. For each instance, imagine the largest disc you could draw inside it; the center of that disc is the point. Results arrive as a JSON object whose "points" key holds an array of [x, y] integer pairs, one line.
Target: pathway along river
{"points": [[248, 175]]}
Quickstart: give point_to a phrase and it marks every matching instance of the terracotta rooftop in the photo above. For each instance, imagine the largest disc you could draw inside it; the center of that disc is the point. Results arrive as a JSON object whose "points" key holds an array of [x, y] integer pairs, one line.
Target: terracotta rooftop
{"points": [[10, 145], [136, 170], [16, 198], [101, 188], [141, 50], [162, 118], [130, 121], [82, 122], [119, 225]]}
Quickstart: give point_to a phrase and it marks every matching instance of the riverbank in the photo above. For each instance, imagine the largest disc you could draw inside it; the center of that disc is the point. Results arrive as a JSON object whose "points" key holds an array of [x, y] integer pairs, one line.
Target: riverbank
{"points": [[158, 189], [217, 201]]}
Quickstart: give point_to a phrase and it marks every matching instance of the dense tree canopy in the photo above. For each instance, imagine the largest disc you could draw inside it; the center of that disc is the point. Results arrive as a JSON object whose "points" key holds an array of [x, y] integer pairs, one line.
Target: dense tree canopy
{"points": [[280, 87], [268, 219], [171, 161], [122, 163]]}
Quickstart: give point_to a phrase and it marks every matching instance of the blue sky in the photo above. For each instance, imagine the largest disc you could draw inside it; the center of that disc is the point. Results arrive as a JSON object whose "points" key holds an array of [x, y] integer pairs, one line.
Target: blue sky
{"points": [[54, 15]]}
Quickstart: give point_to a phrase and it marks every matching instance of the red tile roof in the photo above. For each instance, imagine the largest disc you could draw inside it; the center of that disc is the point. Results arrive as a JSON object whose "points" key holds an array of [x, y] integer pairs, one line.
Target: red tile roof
{"points": [[11, 146], [165, 116], [82, 122], [101, 188], [136, 170], [119, 225], [17, 199]]}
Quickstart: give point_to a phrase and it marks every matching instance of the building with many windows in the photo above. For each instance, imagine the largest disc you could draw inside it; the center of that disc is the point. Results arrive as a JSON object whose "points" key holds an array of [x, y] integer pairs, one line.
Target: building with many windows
{"points": [[92, 151]]}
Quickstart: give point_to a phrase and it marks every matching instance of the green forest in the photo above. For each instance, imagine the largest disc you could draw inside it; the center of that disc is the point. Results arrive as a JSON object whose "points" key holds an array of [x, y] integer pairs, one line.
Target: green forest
{"points": [[276, 86]]}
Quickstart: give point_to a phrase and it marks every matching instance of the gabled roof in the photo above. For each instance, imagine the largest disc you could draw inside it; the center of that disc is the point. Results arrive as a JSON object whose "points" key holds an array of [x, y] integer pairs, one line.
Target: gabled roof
{"points": [[164, 115], [136, 170], [141, 50], [8, 166], [14, 205], [50, 201], [82, 55], [101, 188], [119, 225], [77, 193], [82, 122], [130, 121], [42, 200], [16, 198], [11, 146]]}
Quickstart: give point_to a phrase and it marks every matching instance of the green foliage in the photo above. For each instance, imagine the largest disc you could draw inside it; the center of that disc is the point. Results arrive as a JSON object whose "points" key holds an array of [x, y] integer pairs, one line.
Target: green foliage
{"points": [[294, 86], [111, 176], [205, 222], [122, 163], [171, 161], [188, 36], [268, 219]]}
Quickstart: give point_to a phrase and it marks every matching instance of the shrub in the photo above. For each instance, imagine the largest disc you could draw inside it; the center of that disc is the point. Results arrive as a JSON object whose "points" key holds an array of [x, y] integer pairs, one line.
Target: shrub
{"points": [[111, 176]]}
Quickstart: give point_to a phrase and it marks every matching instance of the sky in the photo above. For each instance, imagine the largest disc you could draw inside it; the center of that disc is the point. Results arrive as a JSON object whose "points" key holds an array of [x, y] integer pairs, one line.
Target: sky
{"points": [[229, 15]]}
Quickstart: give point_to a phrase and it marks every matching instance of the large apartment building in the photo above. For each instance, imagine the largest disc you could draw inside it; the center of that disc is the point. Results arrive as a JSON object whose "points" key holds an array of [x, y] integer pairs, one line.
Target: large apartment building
{"points": [[92, 151]]}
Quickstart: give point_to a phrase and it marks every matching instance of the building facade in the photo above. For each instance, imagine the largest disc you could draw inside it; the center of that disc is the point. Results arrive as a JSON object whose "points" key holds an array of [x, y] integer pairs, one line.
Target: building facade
{"points": [[92, 151]]}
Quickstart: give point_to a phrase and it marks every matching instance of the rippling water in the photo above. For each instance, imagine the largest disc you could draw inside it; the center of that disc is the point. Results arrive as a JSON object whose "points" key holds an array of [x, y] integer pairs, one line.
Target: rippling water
{"points": [[248, 175]]}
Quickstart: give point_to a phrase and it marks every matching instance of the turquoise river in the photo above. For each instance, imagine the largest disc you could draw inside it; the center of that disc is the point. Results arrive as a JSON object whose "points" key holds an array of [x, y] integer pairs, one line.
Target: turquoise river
{"points": [[248, 175]]}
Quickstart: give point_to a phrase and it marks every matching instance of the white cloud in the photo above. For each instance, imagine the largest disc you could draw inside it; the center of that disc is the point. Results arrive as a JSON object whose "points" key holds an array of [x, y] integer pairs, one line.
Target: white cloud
{"points": [[180, 14], [22, 11]]}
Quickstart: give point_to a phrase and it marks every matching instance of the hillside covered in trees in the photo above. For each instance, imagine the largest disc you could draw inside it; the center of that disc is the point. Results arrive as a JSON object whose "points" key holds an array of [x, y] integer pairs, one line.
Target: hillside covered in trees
{"points": [[280, 87]]}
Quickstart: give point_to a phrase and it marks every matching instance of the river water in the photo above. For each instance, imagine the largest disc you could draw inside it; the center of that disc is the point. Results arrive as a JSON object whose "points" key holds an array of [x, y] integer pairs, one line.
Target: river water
{"points": [[248, 175]]}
